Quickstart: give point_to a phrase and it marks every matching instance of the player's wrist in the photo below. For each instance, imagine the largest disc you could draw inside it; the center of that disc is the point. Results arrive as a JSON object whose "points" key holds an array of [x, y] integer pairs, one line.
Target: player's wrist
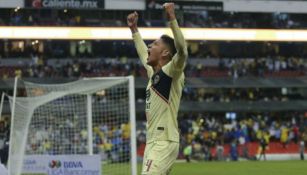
{"points": [[171, 16], [134, 29]]}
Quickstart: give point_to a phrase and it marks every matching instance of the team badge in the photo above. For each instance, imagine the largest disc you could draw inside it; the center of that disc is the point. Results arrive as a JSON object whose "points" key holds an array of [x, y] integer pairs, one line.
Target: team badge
{"points": [[156, 79]]}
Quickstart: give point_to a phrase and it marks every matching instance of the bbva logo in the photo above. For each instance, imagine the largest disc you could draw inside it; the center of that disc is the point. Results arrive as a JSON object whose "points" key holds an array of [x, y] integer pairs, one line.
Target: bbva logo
{"points": [[55, 164], [73, 164]]}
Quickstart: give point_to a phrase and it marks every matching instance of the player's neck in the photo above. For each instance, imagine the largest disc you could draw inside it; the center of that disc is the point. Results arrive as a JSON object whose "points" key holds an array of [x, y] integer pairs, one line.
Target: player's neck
{"points": [[157, 68]]}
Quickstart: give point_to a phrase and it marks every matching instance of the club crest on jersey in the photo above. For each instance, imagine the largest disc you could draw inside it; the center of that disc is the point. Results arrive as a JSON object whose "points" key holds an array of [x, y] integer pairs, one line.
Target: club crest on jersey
{"points": [[156, 79]]}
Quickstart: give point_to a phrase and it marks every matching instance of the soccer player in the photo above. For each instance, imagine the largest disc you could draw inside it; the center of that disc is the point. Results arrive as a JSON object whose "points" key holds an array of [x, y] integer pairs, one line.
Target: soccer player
{"points": [[164, 61]]}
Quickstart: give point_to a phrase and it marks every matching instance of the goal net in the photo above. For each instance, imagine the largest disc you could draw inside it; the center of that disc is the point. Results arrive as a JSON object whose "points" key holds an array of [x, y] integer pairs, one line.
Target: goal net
{"points": [[88, 116]]}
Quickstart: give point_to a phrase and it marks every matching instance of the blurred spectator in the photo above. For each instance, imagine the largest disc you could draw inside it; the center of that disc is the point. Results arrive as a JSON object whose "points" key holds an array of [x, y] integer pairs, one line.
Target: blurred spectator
{"points": [[234, 151], [187, 152], [220, 152], [263, 145], [302, 149]]}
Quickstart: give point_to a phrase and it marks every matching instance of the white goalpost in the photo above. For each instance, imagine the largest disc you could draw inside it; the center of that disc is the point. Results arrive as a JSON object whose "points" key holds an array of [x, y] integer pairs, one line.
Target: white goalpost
{"points": [[91, 116], [1, 104]]}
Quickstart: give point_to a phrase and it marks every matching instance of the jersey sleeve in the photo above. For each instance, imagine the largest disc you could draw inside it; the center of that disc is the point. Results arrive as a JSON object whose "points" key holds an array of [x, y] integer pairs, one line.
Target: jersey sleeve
{"points": [[142, 52], [177, 64]]}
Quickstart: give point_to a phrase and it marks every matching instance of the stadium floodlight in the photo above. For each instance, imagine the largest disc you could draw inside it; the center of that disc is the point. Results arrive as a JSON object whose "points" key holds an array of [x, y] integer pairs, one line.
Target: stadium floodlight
{"points": [[87, 116], [123, 33]]}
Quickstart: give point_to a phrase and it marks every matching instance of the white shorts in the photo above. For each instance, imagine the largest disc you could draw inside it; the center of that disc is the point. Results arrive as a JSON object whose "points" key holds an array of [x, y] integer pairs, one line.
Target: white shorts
{"points": [[159, 156]]}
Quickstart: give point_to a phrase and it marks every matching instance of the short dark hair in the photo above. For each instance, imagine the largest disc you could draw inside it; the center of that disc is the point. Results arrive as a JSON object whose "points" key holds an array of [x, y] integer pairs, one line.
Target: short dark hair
{"points": [[170, 43]]}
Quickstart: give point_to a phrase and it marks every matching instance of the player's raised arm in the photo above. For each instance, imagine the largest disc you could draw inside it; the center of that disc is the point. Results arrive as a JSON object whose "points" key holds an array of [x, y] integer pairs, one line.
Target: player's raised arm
{"points": [[140, 45], [180, 44]]}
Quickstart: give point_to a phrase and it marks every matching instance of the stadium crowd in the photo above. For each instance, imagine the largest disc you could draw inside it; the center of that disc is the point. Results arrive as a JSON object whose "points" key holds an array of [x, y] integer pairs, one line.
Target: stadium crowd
{"points": [[67, 135], [239, 94], [235, 68], [112, 49], [4, 138], [65, 17], [206, 133]]}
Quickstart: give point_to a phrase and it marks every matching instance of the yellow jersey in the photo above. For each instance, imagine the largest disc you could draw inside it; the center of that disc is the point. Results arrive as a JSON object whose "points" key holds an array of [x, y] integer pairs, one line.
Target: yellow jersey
{"points": [[164, 89]]}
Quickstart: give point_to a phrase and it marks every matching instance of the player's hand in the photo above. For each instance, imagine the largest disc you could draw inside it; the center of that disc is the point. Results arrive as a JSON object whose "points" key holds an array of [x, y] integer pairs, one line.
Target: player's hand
{"points": [[170, 10], [132, 20]]}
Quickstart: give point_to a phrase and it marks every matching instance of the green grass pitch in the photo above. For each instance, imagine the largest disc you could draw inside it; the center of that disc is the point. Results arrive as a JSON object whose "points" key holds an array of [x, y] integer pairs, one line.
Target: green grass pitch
{"points": [[225, 168], [222, 168], [241, 168]]}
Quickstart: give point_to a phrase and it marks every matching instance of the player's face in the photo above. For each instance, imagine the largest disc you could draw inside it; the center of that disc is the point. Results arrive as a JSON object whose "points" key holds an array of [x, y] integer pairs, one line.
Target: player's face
{"points": [[155, 50]]}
